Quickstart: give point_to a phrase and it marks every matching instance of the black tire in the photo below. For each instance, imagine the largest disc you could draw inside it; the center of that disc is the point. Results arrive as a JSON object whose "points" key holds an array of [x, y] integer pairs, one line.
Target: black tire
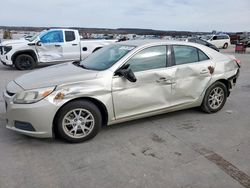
{"points": [[64, 130], [24, 62], [208, 98], [225, 46]]}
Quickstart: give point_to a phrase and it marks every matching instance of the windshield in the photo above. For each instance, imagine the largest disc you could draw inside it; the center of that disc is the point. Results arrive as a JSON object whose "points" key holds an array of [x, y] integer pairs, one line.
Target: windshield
{"points": [[35, 36], [106, 57], [206, 37]]}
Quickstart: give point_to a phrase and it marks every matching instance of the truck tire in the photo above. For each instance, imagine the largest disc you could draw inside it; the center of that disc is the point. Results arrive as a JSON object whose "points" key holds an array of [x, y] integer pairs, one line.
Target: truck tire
{"points": [[24, 62]]}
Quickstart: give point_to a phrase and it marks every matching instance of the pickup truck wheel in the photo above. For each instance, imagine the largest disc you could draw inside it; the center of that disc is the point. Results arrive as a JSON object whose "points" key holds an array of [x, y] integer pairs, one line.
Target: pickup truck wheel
{"points": [[24, 62], [78, 121], [215, 98], [225, 45]]}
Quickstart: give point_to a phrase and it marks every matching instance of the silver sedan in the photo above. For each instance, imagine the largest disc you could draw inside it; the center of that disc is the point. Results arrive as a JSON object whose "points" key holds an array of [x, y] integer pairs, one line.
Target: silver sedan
{"points": [[121, 82]]}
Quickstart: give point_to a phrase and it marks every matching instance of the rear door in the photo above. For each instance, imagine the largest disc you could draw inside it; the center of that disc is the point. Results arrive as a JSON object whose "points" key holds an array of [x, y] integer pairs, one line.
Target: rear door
{"points": [[51, 46], [151, 91], [71, 48], [193, 72]]}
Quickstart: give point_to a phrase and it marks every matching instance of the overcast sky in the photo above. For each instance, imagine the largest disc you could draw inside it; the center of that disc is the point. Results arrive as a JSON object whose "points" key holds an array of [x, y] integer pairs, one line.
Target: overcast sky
{"points": [[192, 15]]}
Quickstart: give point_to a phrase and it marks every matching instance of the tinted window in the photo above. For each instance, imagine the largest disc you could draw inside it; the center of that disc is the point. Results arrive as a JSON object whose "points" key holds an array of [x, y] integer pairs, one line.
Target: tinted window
{"points": [[202, 56], [222, 37], [185, 54], [70, 36], [215, 38], [52, 37], [150, 58]]}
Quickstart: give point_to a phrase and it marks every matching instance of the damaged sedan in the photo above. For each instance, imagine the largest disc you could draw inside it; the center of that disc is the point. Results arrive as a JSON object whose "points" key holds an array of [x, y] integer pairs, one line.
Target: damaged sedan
{"points": [[118, 83]]}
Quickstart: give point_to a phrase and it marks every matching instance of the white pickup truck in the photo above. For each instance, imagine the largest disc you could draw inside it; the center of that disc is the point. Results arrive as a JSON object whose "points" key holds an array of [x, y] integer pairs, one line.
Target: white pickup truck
{"points": [[54, 45]]}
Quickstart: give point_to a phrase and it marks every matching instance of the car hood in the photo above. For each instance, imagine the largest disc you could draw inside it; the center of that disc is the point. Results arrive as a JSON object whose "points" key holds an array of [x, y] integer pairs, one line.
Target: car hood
{"points": [[55, 75], [14, 42]]}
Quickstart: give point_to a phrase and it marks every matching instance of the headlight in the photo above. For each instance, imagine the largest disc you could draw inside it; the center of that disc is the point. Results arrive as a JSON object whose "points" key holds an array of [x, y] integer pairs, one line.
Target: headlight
{"points": [[6, 49], [32, 96]]}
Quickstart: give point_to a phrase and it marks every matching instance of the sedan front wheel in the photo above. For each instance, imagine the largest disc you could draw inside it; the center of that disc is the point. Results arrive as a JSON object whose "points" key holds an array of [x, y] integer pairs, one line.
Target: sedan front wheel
{"points": [[79, 121]]}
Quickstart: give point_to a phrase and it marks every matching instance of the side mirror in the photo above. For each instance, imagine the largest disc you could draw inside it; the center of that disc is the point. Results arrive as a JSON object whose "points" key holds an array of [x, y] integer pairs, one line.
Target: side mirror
{"points": [[127, 73], [39, 43]]}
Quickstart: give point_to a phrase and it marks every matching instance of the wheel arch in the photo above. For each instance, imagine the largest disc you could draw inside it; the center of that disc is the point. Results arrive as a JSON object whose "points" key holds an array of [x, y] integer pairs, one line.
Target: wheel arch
{"points": [[32, 53], [98, 103], [97, 48], [226, 83]]}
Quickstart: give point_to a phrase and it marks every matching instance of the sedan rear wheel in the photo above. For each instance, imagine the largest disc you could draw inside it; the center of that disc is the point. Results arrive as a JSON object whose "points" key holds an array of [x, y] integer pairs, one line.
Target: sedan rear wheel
{"points": [[79, 121], [215, 98]]}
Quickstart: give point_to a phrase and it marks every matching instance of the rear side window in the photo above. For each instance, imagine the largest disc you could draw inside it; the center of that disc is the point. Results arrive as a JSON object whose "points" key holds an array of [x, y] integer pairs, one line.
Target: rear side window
{"points": [[185, 54], [221, 37], [202, 56], [150, 58], [69, 36], [188, 54]]}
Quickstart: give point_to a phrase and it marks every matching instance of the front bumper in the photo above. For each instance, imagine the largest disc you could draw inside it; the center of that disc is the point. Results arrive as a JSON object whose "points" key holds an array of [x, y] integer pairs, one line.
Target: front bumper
{"points": [[39, 115], [6, 60]]}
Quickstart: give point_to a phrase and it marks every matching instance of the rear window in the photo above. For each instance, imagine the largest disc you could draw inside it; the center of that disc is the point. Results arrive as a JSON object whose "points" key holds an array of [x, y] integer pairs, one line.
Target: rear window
{"points": [[69, 36]]}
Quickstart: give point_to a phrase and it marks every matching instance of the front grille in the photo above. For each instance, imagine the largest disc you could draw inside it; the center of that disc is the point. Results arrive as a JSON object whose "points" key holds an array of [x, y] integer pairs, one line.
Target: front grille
{"points": [[10, 94]]}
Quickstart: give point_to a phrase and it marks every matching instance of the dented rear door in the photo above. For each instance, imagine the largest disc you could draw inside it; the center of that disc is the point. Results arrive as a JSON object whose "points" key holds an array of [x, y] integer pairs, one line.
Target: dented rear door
{"points": [[193, 72]]}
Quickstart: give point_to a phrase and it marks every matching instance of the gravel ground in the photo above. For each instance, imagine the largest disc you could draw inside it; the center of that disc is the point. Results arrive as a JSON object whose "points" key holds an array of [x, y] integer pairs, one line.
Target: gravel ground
{"points": [[181, 150]]}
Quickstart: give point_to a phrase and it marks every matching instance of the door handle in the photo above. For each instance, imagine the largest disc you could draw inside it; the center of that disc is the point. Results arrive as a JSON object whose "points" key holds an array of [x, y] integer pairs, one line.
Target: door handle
{"points": [[57, 45], [74, 44], [204, 71], [164, 80]]}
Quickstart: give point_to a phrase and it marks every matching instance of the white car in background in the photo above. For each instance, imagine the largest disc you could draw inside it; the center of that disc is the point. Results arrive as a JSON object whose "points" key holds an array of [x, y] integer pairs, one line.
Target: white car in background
{"points": [[220, 41], [54, 45]]}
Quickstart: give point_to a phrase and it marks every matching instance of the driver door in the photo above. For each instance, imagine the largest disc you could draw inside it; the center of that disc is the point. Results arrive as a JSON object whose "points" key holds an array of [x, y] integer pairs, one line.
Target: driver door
{"points": [[151, 91], [51, 47]]}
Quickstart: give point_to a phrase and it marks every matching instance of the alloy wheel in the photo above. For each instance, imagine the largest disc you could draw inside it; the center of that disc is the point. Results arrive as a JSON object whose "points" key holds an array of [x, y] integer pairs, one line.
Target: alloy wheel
{"points": [[216, 98], [78, 123]]}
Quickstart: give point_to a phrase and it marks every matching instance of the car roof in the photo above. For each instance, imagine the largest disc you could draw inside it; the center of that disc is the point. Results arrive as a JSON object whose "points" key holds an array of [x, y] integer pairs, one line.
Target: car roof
{"points": [[138, 43]]}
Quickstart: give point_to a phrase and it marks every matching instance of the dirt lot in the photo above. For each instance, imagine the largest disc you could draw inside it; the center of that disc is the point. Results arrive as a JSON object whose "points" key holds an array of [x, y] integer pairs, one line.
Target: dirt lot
{"points": [[181, 150]]}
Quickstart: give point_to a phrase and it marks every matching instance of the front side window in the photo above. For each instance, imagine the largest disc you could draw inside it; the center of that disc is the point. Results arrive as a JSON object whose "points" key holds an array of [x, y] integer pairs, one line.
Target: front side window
{"points": [[150, 58], [215, 38], [52, 37], [106, 57]]}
